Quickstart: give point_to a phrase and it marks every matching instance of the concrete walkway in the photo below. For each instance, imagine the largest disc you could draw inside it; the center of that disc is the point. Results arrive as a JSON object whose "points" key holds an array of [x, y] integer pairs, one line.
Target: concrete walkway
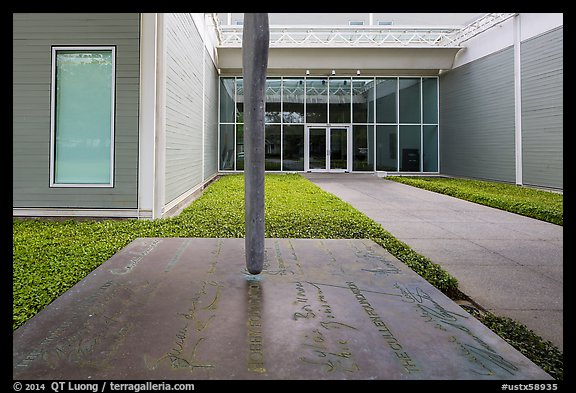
{"points": [[509, 264]]}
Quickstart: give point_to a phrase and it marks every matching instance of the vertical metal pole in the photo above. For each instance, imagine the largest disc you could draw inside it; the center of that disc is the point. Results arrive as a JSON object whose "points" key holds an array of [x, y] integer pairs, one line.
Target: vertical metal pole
{"points": [[255, 42]]}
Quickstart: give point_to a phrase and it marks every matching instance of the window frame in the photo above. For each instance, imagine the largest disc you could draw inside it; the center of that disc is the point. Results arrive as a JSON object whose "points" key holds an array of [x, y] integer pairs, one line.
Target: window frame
{"points": [[55, 50]]}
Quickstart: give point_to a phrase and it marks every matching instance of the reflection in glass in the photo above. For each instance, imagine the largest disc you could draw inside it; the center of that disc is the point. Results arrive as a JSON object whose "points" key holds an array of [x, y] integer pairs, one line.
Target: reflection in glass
{"points": [[338, 148], [317, 148], [362, 100], [273, 98], [272, 148], [430, 146], [226, 147], [430, 100], [316, 100], [386, 100], [293, 146], [363, 148], [410, 148], [409, 100], [293, 100], [339, 100], [386, 148], [239, 100], [227, 100], [83, 117], [239, 147]]}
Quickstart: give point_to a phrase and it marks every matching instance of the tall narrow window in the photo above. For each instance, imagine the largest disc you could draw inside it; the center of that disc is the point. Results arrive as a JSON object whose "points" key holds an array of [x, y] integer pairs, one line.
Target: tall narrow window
{"points": [[82, 118]]}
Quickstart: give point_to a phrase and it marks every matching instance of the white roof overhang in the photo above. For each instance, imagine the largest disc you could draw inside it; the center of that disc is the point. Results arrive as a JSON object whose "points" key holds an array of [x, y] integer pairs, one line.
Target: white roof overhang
{"points": [[370, 61]]}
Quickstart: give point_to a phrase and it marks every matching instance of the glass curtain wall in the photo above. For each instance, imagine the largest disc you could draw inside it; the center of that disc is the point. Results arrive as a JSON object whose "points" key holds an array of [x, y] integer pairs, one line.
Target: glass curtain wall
{"points": [[393, 121], [363, 128], [272, 120], [293, 93]]}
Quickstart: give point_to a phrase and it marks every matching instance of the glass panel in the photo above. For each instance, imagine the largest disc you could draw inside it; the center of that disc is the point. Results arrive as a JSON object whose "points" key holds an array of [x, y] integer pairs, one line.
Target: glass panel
{"points": [[239, 100], [340, 100], [316, 100], [386, 148], [386, 100], [83, 117], [227, 100], [239, 147], [338, 148], [272, 148], [363, 148], [430, 145], [226, 147], [317, 148], [409, 100], [293, 100], [363, 100], [410, 148], [430, 100], [293, 145], [273, 97]]}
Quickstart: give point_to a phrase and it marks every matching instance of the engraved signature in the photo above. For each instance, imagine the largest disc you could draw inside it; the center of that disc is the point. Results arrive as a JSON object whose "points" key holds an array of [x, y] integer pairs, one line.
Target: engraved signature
{"points": [[326, 345], [482, 356]]}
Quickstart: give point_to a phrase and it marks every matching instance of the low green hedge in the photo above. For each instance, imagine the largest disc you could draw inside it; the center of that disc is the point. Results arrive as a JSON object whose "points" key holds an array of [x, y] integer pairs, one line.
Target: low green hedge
{"points": [[539, 204]]}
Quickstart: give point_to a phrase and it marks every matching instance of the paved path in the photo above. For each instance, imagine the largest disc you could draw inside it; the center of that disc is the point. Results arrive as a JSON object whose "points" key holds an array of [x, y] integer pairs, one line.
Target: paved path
{"points": [[509, 264]]}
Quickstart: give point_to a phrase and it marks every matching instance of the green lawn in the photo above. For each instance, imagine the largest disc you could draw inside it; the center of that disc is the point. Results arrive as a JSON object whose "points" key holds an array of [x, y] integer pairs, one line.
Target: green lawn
{"points": [[49, 257], [539, 204]]}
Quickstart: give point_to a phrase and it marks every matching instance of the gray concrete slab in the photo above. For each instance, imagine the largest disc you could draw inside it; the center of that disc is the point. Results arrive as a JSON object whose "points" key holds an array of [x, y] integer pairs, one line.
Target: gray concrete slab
{"points": [[508, 263], [419, 230], [526, 252], [486, 230], [185, 308], [457, 251], [503, 285], [553, 272], [539, 322]]}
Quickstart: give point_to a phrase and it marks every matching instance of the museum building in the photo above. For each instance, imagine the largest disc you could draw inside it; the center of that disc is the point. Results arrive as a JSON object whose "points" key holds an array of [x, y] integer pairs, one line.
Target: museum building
{"points": [[132, 115]]}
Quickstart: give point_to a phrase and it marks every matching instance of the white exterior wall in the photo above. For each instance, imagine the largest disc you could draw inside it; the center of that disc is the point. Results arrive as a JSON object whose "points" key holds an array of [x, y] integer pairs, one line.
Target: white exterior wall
{"points": [[147, 115], [184, 97], [177, 57]]}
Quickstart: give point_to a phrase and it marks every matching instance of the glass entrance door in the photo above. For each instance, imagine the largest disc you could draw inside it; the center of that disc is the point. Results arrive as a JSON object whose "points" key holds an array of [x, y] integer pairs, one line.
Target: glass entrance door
{"points": [[327, 149], [317, 149], [338, 153]]}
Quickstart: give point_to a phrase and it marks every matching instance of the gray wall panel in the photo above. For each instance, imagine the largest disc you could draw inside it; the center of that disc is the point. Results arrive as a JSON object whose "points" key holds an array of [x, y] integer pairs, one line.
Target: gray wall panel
{"points": [[33, 36], [543, 109], [183, 105], [477, 118]]}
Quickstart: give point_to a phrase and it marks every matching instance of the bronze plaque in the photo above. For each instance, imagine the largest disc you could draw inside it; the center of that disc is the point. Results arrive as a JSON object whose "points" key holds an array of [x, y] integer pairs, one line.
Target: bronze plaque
{"points": [[186, 308]]}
